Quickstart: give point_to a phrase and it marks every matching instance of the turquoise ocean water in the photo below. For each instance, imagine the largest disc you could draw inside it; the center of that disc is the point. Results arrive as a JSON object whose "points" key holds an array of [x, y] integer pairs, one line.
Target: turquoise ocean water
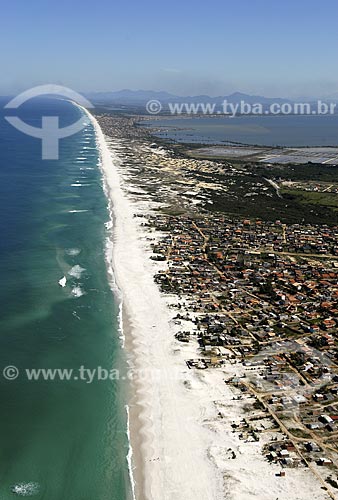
{"points": [[61, 439]]}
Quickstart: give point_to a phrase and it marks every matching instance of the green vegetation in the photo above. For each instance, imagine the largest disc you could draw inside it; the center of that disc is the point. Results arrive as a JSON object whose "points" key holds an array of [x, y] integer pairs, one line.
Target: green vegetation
{"points": [[305, 172], [299, 433], [294, 206], [312, 197]]}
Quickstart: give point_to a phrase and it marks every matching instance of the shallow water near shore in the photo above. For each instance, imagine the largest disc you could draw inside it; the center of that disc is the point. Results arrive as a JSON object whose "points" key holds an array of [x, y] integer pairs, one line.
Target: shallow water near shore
{"points": [[67, 438]]}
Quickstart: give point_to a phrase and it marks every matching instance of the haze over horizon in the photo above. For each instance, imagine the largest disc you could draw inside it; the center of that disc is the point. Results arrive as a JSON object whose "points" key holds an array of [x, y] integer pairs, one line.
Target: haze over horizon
{"points": [[274, 50]]}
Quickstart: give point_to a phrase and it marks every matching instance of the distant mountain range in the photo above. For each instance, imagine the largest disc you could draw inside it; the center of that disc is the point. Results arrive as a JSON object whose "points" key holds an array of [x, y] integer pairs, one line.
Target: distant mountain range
{"points": [[139, 98]]}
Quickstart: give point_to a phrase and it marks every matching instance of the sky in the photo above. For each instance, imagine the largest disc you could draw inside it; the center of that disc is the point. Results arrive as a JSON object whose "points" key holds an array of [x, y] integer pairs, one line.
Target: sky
{"points": [[285, 48]]}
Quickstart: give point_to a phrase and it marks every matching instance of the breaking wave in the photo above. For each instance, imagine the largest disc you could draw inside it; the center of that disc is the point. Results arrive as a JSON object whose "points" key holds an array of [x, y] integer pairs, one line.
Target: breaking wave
{"points": [[73, 251], [77, 292], [76, 271], [26, 489]]}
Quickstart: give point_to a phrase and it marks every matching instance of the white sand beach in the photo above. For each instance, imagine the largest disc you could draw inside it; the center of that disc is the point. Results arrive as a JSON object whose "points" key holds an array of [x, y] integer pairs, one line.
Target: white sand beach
{"points": [[174, 446], [180, 419]]}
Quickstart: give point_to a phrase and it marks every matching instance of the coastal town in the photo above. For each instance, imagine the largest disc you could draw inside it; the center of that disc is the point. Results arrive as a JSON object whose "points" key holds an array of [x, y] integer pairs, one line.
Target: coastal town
{"points": [[252, 300], [262, 297]]}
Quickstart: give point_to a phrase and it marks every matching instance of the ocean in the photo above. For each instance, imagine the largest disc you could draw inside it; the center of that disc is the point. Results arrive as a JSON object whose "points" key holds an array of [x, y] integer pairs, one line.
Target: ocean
{"points": [[288, 130], [59, 439]]}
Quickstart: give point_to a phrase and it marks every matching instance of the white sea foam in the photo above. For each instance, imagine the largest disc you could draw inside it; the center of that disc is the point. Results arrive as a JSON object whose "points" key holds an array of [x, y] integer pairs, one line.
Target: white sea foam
{"points": [[76, 271], [130, 455], [110, 267], [26, 489], [74, 313], [79, 185], [63, 281], [77, 292], [72, 251]]}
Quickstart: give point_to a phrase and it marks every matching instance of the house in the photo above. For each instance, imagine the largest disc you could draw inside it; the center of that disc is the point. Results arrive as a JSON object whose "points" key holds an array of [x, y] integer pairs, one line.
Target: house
{"points": [[324, 461]]}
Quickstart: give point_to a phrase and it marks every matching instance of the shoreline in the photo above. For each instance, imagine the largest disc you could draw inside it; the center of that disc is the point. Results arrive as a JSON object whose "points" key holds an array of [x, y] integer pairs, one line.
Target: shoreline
{"points": [[153, 131], [182, 440], [236, 151], [161, 418], [117, 292]]}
